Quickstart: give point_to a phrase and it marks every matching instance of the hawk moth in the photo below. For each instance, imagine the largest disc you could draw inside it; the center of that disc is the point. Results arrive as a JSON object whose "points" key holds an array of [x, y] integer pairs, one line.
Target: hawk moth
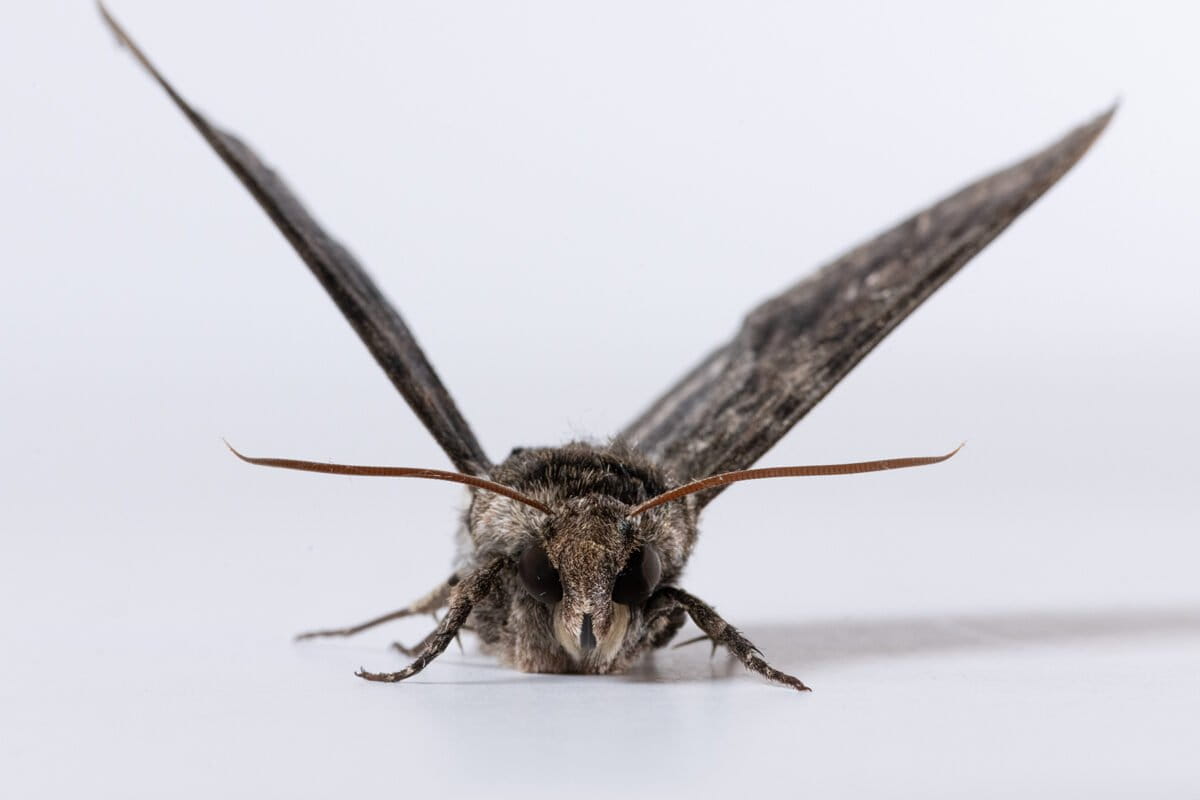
{"points": [[570, 557]]}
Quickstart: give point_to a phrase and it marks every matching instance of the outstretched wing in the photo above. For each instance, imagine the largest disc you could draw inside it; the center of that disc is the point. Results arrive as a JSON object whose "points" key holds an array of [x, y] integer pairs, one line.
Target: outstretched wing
{"points": [[364, 306], [794, 348]]}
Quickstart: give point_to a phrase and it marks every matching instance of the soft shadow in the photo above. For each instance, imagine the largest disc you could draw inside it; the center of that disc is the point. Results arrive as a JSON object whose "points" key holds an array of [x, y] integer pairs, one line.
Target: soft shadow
{"points": [[793, 646]]}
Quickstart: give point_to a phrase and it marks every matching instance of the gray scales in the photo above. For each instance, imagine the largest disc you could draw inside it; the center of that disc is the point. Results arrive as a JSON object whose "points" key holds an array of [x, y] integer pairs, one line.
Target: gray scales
{"points": [[570, 557]]}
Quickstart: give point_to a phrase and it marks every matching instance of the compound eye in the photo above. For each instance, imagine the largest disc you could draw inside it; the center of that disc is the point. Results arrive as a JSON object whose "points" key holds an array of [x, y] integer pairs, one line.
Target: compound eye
{"points": [[539, 576], [639, 578]]}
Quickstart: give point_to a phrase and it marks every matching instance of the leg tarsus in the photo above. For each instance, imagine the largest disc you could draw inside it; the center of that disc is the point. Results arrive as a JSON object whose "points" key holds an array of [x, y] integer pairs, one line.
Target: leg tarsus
{"points": [[353, 629], [721, 632], [463, 597], [429, 603]]}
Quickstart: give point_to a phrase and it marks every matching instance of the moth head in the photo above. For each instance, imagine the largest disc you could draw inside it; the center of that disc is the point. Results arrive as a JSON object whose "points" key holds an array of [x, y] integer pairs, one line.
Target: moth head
{"points": [[594, 569]]}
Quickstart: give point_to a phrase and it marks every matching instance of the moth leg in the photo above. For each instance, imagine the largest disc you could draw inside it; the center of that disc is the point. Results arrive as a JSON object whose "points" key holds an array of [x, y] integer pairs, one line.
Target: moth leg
{"points": [[721, 632], [418, 647], [428, 604], [463, 597], [662, 624], [421, 645]]}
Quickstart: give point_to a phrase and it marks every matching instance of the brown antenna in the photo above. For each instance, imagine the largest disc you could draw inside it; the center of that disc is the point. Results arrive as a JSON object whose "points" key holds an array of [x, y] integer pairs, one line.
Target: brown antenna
{"points": [[724, 478], [393, 472]]}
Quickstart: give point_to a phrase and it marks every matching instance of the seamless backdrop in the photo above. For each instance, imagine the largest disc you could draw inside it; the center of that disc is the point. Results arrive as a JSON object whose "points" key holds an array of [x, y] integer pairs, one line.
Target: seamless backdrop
{"points": [[570, 204]]}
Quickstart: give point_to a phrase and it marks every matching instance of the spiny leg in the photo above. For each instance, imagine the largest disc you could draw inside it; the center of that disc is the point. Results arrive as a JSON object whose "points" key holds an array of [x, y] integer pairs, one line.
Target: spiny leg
{"points": [[428, 604], [421, 645], [721, 632], [463, 597], [416, 648]]}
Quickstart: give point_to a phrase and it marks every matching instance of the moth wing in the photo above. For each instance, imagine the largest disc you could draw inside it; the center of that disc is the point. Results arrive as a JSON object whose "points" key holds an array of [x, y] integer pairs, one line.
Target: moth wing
{"points": [[791, 350], [373, 318]]}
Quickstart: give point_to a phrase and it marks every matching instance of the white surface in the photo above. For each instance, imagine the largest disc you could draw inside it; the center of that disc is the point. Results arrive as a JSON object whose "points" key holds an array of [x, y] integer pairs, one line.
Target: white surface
{"points": [[570, 206]]}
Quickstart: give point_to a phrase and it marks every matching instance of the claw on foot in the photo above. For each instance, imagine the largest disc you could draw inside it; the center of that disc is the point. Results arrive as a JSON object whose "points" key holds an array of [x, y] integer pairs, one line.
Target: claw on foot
{"points": [[767, 671], [381, 677]]}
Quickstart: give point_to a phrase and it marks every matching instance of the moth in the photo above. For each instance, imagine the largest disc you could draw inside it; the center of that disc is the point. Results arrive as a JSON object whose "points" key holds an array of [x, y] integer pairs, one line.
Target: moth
{"points": [[570, 557]]}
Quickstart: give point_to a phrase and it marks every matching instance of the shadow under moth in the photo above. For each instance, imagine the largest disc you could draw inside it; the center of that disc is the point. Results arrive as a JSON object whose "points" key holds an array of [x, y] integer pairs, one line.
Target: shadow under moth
{"points": [[570, 557]]}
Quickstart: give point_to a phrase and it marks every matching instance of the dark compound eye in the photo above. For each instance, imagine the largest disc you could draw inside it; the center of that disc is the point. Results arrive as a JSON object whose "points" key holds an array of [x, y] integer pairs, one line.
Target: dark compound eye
{"points": [[639, 577], [539, 576]]}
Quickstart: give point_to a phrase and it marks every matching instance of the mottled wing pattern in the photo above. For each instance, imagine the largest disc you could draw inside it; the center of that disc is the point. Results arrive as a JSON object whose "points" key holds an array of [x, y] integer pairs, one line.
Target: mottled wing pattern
{"points": [[791, 350], [370, 314]]}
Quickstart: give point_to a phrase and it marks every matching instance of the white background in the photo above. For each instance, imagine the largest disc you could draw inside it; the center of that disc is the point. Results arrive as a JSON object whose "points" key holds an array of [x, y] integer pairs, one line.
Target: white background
{"points": [[571, 203]]}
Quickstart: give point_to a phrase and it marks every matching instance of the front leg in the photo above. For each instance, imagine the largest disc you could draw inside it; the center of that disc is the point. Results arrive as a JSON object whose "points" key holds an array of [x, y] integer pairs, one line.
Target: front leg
{"points": [[463, 597], [662, 619], [722, 633]]}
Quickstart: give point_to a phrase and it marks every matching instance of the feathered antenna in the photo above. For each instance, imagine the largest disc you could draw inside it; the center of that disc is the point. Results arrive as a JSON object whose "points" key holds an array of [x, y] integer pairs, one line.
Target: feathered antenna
{"points": [[724, 478]]}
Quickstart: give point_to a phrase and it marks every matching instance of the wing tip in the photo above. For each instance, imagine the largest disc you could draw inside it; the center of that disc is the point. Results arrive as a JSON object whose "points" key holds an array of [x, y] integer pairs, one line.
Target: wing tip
{"points": [[1091, 130], [126, 41], [1069, 149]]}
